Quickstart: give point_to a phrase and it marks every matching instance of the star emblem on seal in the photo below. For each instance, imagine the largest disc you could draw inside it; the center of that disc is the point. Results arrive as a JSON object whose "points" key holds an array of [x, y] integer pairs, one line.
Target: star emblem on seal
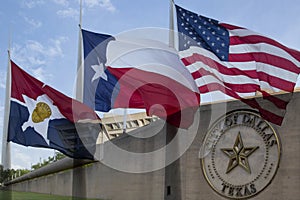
{"points": [[238, 155]]}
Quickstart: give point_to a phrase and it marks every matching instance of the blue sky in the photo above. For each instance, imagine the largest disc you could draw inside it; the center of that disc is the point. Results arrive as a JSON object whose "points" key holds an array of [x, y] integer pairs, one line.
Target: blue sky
{"points": [[44, 35]]}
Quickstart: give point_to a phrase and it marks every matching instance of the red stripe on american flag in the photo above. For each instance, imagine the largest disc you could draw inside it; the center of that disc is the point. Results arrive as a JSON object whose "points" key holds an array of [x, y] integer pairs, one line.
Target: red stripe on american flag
{"points": [[255, 39], [211, 87], [215, 65], [266, 58], [267, 115], [230, 27], [241, 87], [278, 102], [276, 82]]}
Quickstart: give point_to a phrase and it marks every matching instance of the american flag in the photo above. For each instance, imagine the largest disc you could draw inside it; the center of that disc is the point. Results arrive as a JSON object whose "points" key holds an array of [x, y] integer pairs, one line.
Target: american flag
{"points": [[238, 62]]}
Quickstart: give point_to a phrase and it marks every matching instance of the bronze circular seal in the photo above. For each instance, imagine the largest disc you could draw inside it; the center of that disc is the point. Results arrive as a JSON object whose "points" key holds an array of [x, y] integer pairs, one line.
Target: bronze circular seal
{"points": [[240, 155]]}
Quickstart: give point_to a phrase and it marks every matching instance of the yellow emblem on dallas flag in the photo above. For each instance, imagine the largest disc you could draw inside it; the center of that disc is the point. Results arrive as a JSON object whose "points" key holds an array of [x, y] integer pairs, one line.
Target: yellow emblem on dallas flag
{"points": [[41, 112]]}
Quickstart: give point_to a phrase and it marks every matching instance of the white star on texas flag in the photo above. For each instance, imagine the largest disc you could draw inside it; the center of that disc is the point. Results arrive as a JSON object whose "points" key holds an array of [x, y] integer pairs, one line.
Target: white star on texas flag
{"points": [[99, 71]]}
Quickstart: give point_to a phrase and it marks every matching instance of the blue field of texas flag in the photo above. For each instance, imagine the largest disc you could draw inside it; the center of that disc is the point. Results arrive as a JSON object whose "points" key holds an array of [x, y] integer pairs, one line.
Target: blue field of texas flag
{"points": [[40, 116]]}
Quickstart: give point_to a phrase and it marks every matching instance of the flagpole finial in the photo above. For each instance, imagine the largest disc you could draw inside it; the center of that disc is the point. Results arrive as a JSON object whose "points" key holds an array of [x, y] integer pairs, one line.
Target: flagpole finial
{"points": [[9, 44]]}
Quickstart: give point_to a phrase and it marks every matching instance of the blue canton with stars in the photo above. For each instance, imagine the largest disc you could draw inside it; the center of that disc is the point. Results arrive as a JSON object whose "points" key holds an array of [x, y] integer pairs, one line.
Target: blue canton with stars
{"points": [[196, 30]]}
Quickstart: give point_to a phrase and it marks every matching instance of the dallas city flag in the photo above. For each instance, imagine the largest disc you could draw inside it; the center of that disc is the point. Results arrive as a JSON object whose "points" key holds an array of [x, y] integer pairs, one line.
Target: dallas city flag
{"points": [[238, 63], [40, 116], [127, 72]]}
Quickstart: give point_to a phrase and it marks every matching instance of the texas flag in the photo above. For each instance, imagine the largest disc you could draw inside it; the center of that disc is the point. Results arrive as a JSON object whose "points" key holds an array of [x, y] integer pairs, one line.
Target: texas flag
{"points": [[40, 116], [131, 72]]}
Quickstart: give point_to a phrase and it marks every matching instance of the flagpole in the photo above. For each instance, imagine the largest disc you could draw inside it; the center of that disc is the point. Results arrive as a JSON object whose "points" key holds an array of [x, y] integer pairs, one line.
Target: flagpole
{"points": [[80, 69], [6, 156], [79, 186], [171, 25], [124, 120], [173, 171]]}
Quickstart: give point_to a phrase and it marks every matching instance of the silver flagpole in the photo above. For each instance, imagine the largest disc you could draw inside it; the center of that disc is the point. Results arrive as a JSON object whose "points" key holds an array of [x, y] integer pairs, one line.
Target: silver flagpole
{"points": [[173, 172], [79, 179], [124, 120], [80, 67], [171, 25], [6, 159]]}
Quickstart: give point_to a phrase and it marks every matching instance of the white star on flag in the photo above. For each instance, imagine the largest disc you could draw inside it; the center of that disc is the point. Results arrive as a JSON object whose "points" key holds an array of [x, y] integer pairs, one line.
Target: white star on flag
{"points": [[41, 127], [99, 71]]}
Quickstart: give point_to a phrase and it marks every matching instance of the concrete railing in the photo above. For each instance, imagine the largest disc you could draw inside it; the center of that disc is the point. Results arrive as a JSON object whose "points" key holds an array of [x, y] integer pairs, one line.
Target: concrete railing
{"points": [[55, 167]]}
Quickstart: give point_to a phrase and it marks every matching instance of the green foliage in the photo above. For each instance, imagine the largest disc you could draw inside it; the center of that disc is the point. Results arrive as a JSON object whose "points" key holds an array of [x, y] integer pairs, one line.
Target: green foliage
{"points": [[6, 175], [57, 156]]}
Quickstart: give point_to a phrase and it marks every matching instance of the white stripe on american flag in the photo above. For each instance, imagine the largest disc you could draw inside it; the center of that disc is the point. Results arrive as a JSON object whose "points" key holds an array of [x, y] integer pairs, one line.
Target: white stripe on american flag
{"points": [[242, 32]]}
